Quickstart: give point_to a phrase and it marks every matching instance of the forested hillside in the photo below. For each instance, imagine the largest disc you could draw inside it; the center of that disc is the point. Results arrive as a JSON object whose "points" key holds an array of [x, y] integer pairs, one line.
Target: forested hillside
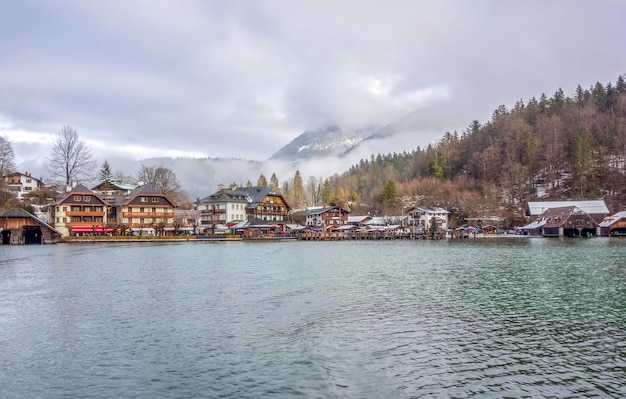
{"points": [[552, 148]]}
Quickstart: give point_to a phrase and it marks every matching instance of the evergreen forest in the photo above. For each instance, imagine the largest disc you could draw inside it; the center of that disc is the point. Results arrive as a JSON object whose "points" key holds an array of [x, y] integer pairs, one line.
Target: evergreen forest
{"points": [[558, 147]]}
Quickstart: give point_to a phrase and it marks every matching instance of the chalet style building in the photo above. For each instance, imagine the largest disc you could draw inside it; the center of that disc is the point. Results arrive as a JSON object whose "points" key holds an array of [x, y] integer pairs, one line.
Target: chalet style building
{"points": [[326, 217], [79, 211], [229, 206], [20, 184], [144, 210], [82, 211]]}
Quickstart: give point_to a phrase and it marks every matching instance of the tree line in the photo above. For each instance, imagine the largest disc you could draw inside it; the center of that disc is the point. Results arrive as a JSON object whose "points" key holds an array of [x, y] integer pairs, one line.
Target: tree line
{"points": [[550, 148]]}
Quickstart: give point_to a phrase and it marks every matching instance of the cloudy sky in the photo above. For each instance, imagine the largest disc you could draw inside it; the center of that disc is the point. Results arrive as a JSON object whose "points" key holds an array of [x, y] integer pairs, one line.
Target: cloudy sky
{"points": [[240, 79]]}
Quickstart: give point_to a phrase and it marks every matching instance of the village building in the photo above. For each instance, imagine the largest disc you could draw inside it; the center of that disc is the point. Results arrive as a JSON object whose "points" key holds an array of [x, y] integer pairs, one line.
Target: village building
{"points": [[79, 211], [230, 206], [114, 188], [21, 184], [186, 221], [224, 207], [146, 211], [326, 217], [358, 220], [614, 225], [20, 227], [421, 218]]}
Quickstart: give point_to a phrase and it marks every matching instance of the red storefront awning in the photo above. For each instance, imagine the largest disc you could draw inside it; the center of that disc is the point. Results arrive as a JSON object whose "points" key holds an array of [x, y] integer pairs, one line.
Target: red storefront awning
{"points": [[89, 229]]}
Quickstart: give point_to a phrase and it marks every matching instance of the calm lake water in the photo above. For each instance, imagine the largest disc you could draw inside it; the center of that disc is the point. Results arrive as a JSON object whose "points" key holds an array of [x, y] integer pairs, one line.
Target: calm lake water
{"points": [[377, 319]]}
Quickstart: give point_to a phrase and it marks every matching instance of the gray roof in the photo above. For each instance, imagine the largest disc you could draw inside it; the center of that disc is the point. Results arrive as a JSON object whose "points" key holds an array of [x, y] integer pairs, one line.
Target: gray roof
{"points": [[592, 207], [21, 213], [319, 210], [428, 209], [609, 220], [225, 196]]}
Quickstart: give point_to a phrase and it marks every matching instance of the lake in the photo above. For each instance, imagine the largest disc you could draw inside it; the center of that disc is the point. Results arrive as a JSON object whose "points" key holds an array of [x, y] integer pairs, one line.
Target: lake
{"points": [[521, 318]]}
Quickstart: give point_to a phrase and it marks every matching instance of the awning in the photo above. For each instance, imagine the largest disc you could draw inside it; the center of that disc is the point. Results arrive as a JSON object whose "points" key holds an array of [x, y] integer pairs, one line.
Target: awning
{"points": [[90, 229]]}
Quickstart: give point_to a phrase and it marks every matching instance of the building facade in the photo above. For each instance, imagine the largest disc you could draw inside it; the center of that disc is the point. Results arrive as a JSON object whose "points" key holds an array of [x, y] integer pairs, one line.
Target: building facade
{"points": [[20, 184], [421, 218], [79, 211], [228, 206]]}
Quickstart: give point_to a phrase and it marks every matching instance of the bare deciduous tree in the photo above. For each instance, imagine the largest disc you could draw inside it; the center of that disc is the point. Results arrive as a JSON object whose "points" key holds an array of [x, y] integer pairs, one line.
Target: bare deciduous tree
{"points": [[7, 165], [70, 158], [164, 180], [7, 157]]}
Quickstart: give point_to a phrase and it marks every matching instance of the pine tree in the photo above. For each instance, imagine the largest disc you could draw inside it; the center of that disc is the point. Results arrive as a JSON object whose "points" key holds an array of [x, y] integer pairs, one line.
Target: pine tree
{"points": [[299, 194], [262, 182], [105, 175], [274, 183]]}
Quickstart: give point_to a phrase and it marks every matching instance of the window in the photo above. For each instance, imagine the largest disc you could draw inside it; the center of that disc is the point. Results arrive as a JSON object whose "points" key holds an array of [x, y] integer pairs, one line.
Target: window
{"points": [[141, 210], [29, 181], [77, 198], [144, 199], [155, 199], [65, 209], [87, 198], [153, 210]]}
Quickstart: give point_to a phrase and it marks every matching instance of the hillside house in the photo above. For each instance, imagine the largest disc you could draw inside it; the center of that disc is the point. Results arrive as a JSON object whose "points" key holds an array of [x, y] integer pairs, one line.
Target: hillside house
{"points": [[21, 184]]}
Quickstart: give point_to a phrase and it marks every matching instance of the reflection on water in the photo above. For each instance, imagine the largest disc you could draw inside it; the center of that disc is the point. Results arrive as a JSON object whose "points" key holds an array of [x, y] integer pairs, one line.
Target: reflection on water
{"points": [[384, 319]]}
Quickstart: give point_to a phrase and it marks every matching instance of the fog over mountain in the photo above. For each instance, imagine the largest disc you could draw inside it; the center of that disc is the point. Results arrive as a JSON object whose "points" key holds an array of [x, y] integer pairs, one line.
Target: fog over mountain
{"points": [[319, 152]]}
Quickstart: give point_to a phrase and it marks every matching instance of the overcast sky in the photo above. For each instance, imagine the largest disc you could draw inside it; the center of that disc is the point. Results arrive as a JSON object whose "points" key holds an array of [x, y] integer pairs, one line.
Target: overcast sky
{"points": [[241, 79]]}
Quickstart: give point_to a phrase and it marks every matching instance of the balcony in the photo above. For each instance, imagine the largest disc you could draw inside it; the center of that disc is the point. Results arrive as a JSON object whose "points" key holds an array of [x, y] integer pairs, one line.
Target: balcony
{"points": [[82, 213], [148, 214]]}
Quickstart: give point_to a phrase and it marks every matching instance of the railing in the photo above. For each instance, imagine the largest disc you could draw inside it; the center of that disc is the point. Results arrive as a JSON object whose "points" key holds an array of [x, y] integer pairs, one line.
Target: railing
{"points": [[148, 214], [83, 213]]}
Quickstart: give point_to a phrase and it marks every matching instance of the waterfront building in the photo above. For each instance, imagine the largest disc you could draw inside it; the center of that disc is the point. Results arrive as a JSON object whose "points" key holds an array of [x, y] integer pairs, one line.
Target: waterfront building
{"points": [[79, 211], [146, 211], [614, 225], [597, 209], [229, 206], [567, 221], [20, 227], [326, 217], [421, 218]]}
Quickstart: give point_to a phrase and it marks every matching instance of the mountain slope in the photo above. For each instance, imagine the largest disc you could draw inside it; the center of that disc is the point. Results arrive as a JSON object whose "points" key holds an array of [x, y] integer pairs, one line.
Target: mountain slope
{"points": [[329, 141]]}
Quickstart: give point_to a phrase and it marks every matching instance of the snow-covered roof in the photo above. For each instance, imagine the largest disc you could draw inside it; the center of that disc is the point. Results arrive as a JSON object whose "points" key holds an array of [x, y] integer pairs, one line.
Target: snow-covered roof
{"points": [[534, 225], [609, 220], [592, 207]]}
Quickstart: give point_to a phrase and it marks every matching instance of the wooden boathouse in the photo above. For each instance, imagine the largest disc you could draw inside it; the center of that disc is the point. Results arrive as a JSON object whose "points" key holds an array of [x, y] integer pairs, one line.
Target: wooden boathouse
{"points": [[20, 227]]}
